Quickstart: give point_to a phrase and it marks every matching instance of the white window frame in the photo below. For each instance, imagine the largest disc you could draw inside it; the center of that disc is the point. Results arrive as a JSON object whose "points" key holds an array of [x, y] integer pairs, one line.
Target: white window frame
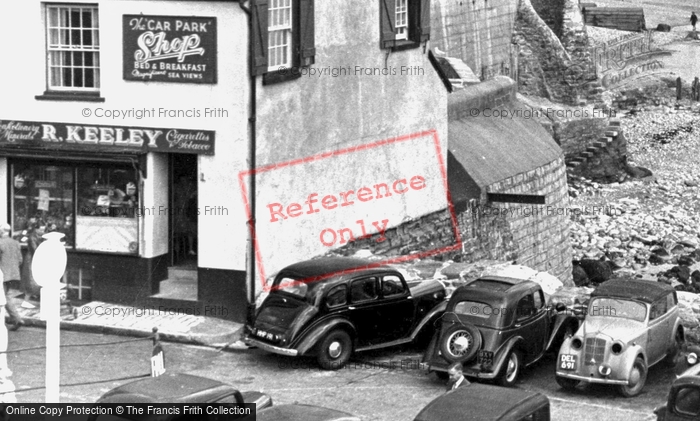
{"points": [[60, 44], [280, 24], [401, 15]]}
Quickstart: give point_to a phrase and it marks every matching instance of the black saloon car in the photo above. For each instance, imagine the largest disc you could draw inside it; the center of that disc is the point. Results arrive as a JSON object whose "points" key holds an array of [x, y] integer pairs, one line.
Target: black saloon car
{"points": [[333, 306], [683, 401], [480, 402], [496, 325]]}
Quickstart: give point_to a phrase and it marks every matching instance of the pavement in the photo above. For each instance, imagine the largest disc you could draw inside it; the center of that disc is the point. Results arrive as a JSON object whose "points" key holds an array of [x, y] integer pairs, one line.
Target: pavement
{"points": [[108, 318]]}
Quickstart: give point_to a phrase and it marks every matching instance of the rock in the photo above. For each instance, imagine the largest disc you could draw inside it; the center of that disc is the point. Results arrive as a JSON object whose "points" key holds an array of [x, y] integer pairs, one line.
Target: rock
{"points": [[690, 183], [686, 260], [678, 249], [662, 27], [598, 271], [688, 242], [656, 259], [580, 276], [695, 278], [689, 305], [571, 296], [693, 35], [682, 272], [549, 283]]}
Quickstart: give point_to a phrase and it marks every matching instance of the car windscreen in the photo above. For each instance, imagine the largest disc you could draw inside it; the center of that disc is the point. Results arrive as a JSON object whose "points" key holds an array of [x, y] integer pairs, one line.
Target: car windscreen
{"points": [[617, 307]]}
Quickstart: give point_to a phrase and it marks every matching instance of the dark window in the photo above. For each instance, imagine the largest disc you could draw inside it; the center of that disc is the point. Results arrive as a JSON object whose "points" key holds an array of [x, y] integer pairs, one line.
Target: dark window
{"points": [[526, 308], [363, 290], [658, 308], [404, 23], [392, 285], [337, 296], [539, 300], [688, 401], [282, 38]]}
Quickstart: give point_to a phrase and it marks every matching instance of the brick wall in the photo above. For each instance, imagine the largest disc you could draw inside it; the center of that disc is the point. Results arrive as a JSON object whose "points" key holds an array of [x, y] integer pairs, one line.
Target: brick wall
{"points": [[478, 32]]}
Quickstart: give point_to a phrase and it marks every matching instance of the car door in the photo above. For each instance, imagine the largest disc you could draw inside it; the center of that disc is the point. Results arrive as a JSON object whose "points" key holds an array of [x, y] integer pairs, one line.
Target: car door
{"points": [[397, 310], [364, 308], [531, 324], [658, 328]]}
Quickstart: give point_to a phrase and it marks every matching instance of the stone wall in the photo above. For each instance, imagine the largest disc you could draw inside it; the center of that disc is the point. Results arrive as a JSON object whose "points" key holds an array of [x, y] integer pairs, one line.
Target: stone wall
{"points": [[478, 32], [574, 136], [551, 12]]}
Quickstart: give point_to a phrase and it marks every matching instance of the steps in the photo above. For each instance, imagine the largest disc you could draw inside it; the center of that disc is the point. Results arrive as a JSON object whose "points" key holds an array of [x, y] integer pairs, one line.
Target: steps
{"points": [[180, 289], [595, 148]]}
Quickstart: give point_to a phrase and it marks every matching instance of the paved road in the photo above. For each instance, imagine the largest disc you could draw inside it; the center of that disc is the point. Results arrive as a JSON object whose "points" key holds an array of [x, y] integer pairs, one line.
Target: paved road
{"points": [[386, 385]]}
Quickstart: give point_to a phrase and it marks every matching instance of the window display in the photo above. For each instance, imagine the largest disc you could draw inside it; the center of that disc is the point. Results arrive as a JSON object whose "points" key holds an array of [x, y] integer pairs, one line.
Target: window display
{"points": [[95, 206]]}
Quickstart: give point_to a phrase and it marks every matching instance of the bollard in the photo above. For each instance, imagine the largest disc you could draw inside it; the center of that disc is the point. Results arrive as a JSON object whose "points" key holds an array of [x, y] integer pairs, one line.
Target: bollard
{"points": [[696, 89], [157, 356], [678, 88]]}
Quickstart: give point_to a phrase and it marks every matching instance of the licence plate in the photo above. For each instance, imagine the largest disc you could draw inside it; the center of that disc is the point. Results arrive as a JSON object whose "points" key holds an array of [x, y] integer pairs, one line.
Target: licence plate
{"points": [[567, 362], [485, 358]]}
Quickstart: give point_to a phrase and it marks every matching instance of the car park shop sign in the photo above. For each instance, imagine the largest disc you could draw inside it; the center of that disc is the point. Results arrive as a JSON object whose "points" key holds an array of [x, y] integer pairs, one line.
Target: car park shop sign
{"points": [[180, 49], [66, 136]]}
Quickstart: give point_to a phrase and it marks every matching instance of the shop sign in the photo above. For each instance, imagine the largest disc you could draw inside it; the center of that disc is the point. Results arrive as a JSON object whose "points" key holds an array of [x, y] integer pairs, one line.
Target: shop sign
{"points": [[63, 136], [180, 49]]}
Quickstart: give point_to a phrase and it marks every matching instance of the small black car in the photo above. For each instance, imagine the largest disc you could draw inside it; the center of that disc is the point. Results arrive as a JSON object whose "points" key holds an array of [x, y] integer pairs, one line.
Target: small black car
{"points": [[496, 325], [683, 400], [480, 402], [332, 306]]}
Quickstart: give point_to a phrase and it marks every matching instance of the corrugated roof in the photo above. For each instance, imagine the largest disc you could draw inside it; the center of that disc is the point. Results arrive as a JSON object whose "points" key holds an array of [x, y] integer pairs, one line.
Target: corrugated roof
{"points": [[491, 149]]}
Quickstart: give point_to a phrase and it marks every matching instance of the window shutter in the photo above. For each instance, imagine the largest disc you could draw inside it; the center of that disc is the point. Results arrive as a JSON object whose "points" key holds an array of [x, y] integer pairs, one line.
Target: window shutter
{"points": [[387, 16], [259, 37], [419, 20], [424, 25], [307, 45]]}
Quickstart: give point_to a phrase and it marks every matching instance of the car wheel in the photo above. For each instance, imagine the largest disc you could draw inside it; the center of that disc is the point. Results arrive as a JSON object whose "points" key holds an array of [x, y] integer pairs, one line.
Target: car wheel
{"points": [[335, 350], [673, 354], [638, 376], [460, 343], [511, 369], [566, 383]]}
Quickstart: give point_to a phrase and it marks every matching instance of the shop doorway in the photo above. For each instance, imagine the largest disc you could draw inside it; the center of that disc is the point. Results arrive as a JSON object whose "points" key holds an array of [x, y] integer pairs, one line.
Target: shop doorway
{"points": [[183, 215]]}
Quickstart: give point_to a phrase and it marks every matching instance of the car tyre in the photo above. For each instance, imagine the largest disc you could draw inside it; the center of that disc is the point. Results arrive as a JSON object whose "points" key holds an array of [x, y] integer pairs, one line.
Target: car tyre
{"points": [[334, 350], [567, 383], [460, 343], [638, 373], [673, 354], [511, 369]]}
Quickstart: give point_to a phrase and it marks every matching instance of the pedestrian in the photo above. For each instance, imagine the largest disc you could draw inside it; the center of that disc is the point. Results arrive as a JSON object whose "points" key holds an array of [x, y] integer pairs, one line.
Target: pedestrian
{"points": [[7, 387], [34, 237], [10, 264], [457, 378], [693, 20]]}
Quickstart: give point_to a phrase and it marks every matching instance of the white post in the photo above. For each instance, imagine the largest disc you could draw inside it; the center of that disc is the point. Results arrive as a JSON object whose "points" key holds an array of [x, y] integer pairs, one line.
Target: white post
{"points": [[48, 265]]}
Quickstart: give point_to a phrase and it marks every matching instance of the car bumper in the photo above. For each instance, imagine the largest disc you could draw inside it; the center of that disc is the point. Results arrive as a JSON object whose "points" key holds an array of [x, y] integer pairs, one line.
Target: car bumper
{"points": [[592, 379], [270, 348], [467, 371]]}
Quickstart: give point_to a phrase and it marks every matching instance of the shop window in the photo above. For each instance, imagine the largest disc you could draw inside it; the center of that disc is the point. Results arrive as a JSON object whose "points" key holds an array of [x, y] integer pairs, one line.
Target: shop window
{"points": [[404, 23], [73, 51], [96, 208], [282, 38], [79, 282]]}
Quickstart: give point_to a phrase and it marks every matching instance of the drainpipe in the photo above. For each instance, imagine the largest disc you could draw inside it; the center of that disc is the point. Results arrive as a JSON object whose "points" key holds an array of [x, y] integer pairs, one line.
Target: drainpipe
{"points": [[250, 266]]}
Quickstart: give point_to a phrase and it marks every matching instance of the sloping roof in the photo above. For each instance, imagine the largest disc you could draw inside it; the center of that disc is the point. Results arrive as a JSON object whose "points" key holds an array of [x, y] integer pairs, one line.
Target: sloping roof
{"points": [[492, 148]]}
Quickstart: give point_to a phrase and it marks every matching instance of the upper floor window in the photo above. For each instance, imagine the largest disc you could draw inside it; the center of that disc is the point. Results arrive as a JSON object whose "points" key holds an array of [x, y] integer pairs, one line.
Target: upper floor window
{"points": [[282, 38], [404, 23], [73, 48]]}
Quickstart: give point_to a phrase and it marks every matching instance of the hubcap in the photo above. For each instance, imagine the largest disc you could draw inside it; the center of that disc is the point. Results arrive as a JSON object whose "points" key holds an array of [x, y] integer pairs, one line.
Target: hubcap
{"points": [[512, 369], [634, 377], [335, 349], [461, 341]]}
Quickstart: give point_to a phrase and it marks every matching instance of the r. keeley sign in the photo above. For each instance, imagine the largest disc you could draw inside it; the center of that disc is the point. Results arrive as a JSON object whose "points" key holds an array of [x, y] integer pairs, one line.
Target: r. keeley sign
{"points": [[30, 134], [170, 48]]}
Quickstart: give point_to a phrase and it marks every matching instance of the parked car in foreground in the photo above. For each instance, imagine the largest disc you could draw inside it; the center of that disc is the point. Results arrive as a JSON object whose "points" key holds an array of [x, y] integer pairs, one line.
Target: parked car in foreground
{"points": [[331, 307], [683, 401], [631, 325], [480, 402], [495, 326], [182, 388]]}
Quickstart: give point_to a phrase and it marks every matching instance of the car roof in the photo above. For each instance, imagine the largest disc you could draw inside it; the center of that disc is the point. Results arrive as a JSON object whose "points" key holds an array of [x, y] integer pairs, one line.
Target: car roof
{"points": [[637, 289], [493, 289], [170, 387], [482, 402], [299, 412], [334, 267]]}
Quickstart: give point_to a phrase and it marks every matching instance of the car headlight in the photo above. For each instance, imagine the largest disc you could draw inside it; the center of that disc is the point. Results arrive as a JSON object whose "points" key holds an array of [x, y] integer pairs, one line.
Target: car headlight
{"points": [[576, 343], [616, 348], [692, 358]]}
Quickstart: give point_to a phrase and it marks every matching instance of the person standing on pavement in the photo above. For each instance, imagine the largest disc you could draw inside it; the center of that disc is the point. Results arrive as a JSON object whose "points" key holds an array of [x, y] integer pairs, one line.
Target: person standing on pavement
{"points": [[693, 20], [10, 263], [457, 378]]}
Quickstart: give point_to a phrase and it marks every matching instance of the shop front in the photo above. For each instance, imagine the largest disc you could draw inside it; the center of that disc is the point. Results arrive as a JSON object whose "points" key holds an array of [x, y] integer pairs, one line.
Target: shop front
{"points": [[124, 197]]}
